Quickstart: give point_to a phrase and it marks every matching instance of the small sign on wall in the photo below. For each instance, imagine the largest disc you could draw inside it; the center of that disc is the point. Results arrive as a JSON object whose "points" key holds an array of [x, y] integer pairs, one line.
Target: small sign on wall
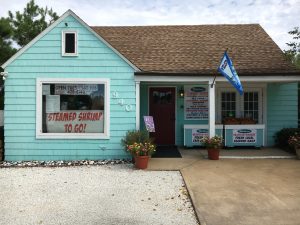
{"points": [[244, 136], [198, 134]]}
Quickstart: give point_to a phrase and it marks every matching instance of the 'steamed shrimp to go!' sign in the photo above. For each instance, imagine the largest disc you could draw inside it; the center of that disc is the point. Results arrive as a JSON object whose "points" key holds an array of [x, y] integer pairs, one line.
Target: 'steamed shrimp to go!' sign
{"points": [[75, 122]]}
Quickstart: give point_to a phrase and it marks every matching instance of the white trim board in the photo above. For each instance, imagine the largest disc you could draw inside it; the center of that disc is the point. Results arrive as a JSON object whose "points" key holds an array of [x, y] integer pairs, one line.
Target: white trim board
{"points": [[219, 78], [53, 25]]}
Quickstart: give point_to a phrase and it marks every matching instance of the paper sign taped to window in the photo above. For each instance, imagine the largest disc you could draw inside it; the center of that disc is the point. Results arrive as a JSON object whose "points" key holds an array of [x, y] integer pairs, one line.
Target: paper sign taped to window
{"points": [[52, 103], [149, 123]]}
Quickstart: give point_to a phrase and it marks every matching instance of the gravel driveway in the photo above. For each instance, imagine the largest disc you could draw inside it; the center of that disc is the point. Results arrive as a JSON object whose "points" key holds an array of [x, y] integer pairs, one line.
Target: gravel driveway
{"points": [[116, 194]]}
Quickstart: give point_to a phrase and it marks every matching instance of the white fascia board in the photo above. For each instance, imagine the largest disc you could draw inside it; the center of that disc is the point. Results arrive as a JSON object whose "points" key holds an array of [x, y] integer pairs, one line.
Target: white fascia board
{"points": [[48, 29], [279, 78]]}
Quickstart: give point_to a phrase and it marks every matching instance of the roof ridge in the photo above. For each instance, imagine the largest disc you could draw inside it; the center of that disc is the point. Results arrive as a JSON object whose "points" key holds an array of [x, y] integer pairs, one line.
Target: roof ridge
{"points": [[180, 25]]}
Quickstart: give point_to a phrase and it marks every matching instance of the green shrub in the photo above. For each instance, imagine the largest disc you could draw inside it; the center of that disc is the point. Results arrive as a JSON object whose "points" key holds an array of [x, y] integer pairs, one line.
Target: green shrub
{"points": [[138, 136], [282, 137]]}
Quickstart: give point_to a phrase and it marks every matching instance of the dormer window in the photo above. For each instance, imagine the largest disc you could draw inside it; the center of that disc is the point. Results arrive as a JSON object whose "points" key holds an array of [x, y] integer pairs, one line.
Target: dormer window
{"points": [[69, 43]]}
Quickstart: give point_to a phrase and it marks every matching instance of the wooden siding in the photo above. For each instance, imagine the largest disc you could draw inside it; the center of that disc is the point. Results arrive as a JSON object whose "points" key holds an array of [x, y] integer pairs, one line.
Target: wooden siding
{"points": [[282, 108], [44, 60]]}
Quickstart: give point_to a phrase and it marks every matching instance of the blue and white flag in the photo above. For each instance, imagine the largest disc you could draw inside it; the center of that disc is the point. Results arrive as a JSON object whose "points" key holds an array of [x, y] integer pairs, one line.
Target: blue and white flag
{"points": [[227, 70]]}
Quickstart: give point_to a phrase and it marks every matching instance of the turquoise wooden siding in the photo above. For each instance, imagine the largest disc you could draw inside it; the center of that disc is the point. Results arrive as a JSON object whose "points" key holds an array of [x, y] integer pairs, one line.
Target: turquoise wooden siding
{"points": [[179, 110], [282, 108], [44, 60]]}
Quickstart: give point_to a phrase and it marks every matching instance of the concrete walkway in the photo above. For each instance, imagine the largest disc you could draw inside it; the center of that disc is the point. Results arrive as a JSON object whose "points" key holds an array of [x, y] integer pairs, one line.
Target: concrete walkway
{"points": [[240, 191]]}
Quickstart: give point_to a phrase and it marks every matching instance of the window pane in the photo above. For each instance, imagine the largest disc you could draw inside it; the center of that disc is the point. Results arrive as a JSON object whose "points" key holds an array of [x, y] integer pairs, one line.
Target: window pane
{"points": [[255, 96], [73, 108], [70, 43], [228, 104], [246, 96], [162, 97]]}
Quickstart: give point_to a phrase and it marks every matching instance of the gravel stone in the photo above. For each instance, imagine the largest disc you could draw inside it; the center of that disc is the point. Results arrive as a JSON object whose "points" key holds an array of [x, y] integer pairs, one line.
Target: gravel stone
{"points": [[106, 195]]}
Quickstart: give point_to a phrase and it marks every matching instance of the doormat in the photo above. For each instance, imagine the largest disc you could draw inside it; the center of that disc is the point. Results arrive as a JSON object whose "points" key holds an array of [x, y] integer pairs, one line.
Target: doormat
{"points": [[166, 152]]}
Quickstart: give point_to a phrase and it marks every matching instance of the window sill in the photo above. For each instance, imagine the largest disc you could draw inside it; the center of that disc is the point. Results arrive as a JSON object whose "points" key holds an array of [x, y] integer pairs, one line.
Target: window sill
{"points": [[69, 55]]}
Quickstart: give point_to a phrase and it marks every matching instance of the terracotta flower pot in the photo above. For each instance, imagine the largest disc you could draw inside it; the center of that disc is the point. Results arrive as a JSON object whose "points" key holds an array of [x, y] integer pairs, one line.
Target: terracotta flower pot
{"points": [[213, 153], [141, 162]]}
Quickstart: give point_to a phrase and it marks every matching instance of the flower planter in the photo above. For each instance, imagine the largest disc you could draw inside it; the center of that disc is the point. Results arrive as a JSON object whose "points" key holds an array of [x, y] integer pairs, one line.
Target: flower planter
{"points": [[213, 154], [141, 162]]}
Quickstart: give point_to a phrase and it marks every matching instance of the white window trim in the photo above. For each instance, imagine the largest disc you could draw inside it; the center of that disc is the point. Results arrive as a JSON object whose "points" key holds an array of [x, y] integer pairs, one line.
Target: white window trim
{"points": [[240, 101], [63, 53], [39, 102]]}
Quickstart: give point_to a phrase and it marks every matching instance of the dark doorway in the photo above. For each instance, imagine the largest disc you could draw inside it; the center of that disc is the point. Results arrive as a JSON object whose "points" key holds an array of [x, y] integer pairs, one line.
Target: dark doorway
{"points": [[162, 108]]}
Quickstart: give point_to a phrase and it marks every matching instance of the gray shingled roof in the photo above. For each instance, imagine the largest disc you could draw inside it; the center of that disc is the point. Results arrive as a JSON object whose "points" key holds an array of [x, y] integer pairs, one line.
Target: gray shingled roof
{"points": [[197, 49]]}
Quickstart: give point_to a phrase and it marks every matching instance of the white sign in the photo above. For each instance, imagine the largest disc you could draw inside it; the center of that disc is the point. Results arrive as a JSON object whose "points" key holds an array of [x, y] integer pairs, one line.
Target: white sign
{"points": [[75, 89], [52, 103], [198, 134], [88, 121], [195, 102], [244, 136]]}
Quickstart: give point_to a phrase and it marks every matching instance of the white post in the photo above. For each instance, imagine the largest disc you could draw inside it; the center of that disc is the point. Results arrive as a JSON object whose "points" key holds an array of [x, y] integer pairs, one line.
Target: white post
{"points": [[211, 109], [137, 105]]}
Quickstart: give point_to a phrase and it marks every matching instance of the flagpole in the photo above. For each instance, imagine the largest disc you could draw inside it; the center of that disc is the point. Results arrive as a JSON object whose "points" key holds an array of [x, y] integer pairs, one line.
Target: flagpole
{"points": [[212, 84]]}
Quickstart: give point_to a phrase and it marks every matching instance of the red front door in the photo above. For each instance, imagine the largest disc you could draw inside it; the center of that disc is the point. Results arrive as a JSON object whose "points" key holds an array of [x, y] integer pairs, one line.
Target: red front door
{"points": [[162, 108]]}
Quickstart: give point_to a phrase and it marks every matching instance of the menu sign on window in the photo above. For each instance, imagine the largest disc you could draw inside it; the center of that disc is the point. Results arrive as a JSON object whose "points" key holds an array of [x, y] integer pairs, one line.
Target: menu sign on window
{"points": [[195, 102], [244, 136], [75, 89]]}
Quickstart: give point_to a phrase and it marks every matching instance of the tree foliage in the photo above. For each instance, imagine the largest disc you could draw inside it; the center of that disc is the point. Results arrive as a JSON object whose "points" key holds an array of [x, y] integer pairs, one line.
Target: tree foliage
{"points": [[6, 49], [31, 22], [293, 53]]}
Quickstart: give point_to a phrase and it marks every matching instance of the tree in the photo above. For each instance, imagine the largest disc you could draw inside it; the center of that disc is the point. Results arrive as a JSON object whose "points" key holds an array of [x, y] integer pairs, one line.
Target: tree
{"points": [[31, 22], [6, 49], [293, 54]]}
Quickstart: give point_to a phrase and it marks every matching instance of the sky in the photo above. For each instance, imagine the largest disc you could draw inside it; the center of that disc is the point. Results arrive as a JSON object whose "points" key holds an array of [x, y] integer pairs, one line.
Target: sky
{"points": [[277, 17]]}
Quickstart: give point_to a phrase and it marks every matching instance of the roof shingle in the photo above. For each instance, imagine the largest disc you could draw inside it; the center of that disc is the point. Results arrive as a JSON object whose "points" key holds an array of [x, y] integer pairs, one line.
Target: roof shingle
{"points": [[197, 49]]}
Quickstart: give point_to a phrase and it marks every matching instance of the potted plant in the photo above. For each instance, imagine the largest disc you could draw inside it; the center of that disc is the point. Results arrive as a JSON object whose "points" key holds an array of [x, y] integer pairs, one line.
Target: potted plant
{"points": [[140, 146], [141, 153], [213, 146], [294, 142]]}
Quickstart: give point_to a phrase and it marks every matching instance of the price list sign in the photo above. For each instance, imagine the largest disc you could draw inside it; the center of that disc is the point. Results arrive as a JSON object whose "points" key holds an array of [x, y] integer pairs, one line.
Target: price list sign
{"points": [[195, 102]]}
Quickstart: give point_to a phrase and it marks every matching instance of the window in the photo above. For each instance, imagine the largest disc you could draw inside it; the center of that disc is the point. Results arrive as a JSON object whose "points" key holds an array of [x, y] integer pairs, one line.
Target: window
{"points": [[228, 105], [162, 97], [231, 104], [69, 43], [251, 109], [72, 108]]}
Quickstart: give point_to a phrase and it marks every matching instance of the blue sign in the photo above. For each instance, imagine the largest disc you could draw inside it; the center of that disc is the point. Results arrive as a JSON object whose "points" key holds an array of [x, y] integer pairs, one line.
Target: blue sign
{"points": [[226, 68]]}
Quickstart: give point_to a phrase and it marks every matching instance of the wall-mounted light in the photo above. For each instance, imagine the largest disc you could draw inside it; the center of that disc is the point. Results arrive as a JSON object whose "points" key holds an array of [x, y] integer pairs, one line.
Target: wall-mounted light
{"points": [[181, 92], [66, 24]]}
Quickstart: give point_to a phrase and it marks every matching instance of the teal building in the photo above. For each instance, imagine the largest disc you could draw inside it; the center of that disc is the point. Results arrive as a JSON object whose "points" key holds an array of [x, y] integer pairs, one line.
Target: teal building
{"points": [[74, 91]]}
